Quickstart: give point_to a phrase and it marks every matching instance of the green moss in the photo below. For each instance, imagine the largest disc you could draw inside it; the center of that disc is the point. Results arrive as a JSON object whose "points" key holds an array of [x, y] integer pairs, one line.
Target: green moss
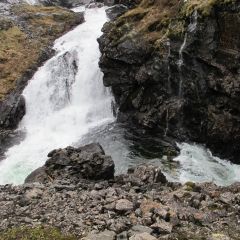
{"points": [[204, 7], [156, 21], [152, 22], [37, 233]]}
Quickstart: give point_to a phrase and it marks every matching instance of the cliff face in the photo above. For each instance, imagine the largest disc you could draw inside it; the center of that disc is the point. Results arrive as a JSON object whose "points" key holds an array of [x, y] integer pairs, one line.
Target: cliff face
{"points": [[174, 67]]}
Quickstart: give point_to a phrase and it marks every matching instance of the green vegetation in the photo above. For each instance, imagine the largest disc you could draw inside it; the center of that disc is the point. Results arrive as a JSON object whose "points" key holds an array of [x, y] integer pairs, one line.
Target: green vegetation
{"points": [[156, 21], [37, 233], [204, 7]]}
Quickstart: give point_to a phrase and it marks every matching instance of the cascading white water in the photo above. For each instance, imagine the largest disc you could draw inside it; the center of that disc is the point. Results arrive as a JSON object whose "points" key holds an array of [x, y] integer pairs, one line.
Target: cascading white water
{"points": [[180, 64], [191, 28], [197, 164], [64, 100]]}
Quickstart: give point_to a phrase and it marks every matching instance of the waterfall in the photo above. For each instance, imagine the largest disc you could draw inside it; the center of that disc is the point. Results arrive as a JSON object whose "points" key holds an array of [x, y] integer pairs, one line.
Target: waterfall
{"points": [[191, 29], [64, 100], [169, 67], [180, 64]]}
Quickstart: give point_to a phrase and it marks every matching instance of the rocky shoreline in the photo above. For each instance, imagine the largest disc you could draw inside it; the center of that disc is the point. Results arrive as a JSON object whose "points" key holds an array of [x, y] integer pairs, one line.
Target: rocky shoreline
{"points": [[76, 191]]}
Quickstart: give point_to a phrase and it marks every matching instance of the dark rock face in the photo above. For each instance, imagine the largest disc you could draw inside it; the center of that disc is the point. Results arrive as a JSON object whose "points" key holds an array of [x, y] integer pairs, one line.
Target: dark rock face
{"points": [[116, 11], [12, 111], [88, 162], [187, 91]]}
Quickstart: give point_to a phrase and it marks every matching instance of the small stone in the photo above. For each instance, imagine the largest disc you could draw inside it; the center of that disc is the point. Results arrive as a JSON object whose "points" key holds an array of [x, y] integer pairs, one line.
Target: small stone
{"points": [[139, 229], [142, 236], [106, 235], [122, 236], [124, 205], [33, 193], [199, 217], [162, 227]]}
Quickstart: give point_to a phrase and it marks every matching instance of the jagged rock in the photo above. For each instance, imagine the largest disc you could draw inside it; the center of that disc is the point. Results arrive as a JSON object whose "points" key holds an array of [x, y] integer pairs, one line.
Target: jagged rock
{"points": [[148, 174], [116, 11], [87, 162]]}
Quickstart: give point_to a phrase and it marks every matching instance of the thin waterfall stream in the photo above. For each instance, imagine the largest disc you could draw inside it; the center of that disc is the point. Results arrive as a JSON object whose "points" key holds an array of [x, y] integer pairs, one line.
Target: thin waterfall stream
{"points": [[67, 104]]}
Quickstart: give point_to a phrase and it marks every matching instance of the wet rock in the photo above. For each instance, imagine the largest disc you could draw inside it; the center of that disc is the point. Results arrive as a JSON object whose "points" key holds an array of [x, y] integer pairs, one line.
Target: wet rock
{"points": [[197, 102], [116, 11]]}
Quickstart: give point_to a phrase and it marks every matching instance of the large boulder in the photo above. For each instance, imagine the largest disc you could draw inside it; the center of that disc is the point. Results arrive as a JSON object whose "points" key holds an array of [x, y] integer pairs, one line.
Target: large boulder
{"points": [[87, 162]]}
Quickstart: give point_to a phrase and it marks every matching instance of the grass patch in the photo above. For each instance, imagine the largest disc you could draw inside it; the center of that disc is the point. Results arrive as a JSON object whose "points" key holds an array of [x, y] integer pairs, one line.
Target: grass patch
{"points": [[22, 43], [36, 233], [155, 21], [204, 7]]}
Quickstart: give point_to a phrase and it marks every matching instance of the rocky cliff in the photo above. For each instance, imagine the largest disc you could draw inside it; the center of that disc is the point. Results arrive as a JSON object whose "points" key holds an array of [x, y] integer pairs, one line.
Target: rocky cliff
{"points": [[173, 67]]}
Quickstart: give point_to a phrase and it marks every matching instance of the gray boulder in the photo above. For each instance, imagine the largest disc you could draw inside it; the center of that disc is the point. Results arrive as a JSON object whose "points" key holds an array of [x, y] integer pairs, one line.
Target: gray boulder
{"points": [[87, 162]]}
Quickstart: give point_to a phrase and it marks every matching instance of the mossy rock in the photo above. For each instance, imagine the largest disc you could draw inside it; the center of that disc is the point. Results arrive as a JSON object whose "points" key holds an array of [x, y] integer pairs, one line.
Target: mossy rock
{"points": [[36, 233], [204, 7]]}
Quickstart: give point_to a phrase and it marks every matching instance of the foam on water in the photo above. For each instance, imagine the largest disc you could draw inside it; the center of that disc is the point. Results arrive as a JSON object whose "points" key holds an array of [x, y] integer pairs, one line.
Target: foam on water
{"points": [[65, 99]]}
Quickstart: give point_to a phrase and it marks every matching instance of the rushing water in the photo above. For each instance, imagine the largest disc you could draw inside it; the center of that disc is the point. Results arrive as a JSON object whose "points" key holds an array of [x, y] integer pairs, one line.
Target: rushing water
{"points": [[68, 105], [64, 100]]}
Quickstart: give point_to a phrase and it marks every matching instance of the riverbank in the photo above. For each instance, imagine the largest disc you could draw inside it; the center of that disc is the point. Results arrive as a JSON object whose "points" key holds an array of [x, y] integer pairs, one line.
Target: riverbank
{"points": [[142, 204]]}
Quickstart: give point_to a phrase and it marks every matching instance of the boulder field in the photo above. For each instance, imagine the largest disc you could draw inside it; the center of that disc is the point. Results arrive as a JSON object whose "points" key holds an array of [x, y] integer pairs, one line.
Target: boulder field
{"points": [[76, 194], [173, 67]]}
